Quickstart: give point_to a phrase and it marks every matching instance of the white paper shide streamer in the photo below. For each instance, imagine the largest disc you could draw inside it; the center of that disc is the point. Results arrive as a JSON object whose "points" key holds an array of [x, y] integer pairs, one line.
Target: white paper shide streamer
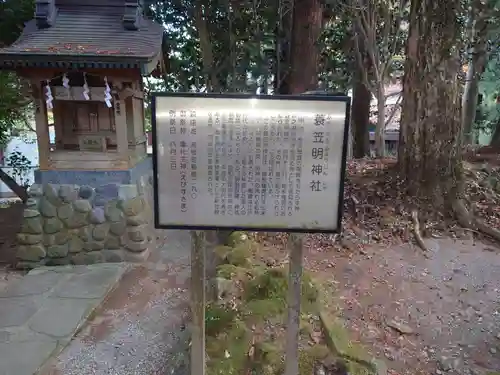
{"points": [[48, 95], [86, 90], [65, 82], [107, 93]]}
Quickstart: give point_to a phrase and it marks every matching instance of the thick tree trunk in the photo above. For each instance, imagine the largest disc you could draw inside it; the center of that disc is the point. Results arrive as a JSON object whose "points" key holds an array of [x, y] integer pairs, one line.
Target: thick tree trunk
{"points": [[431, 134], [307, 25], [14, 186], [361, 119]]}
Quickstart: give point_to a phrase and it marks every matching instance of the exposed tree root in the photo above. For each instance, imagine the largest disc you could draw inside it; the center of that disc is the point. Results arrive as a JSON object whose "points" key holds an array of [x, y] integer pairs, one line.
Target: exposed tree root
{"points": [[416, 231], [468, 220]]}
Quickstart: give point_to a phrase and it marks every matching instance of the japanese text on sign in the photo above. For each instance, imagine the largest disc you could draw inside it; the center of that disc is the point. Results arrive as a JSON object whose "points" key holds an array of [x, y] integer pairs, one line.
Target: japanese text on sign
{"points": [[249, 163]]}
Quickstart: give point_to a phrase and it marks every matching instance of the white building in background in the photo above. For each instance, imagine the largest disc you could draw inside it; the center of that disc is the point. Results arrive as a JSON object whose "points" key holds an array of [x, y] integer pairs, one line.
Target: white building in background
{"points": [[27, 145]]}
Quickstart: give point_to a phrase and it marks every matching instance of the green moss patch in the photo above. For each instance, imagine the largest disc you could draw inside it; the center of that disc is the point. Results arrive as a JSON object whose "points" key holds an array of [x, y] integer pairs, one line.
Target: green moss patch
{"points": [[337, 339], [246, 330]]}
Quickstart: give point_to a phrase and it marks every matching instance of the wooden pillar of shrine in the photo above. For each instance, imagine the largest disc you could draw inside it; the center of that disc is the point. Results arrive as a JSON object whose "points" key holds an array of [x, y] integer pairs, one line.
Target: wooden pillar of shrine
{"points": [[89, 134], [42, 126]]}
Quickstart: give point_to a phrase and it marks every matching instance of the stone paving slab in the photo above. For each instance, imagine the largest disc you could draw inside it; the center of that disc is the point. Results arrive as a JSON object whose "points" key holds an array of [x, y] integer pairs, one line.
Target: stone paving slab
{"points": [[141, 328], [40, 313]]}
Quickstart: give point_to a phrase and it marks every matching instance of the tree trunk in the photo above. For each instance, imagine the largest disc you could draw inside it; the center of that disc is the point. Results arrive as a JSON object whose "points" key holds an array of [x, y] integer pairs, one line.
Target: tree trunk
{"points": [[283, 40], [469, 99], [165, 59], [212, 82], [380, 128], [431, 133], [14, 186], [361, 119], [306, 30], [476, 67]]}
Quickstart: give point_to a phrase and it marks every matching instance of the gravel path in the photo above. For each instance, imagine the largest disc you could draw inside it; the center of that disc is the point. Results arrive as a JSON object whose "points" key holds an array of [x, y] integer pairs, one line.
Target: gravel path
{"points": [[422, 315], [140, 330]]}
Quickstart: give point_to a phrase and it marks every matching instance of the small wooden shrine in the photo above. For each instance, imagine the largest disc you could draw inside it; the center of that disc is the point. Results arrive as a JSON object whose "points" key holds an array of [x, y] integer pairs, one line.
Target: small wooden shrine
{"points": [[91, 201], [85, 60]]}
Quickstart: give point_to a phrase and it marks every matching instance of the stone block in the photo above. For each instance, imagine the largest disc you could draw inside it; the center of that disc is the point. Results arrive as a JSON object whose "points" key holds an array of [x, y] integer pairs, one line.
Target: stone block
{"points": [[136, 220], [99, 201], [87, 258], [97, 216], [32, 225], [113, 256], [32, 203], [112, 212], [49, 240], [133, 207], [112, 243], [66, 223], [61, 238], [77, 220], [82, 205], [75, 245], [65, 211], [29, 239], [137, 234], [28, 265], [67, 193], [27, 214], [51, 193], [47, 209], [93, 245], [52, 225], [100, 232], [35, 191], [57, 261], [136, 247], [86, 192], [136, 257], [31, 253], [57, 251], [118, 228], [85, 233]]}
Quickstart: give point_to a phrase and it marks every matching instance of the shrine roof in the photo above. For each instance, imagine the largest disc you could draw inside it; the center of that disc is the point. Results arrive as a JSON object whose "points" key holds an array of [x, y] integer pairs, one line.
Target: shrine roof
{"points": [[85, 38]]}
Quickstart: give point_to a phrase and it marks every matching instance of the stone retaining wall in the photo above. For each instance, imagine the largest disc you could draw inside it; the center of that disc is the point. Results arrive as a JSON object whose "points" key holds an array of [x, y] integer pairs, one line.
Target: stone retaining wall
{"points": [[70, 224]]}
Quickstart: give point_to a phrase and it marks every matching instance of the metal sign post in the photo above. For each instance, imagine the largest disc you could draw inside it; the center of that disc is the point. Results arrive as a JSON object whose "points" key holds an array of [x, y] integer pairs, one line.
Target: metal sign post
{"points": [[295, 247], [259, 163], [198, 252]]}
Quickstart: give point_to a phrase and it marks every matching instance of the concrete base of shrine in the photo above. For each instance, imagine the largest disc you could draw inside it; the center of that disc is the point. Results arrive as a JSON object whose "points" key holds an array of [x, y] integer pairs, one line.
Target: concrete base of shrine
{"points": [[85, 217], [95, 178]]}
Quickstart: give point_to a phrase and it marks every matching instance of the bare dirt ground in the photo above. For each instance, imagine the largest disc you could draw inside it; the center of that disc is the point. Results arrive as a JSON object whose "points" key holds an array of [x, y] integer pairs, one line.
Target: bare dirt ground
{"points": [[421, 314]]}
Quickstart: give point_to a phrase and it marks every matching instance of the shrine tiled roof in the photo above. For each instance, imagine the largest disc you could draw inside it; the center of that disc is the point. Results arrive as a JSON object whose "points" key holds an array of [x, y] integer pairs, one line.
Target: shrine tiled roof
{"points": [[85, 38]]}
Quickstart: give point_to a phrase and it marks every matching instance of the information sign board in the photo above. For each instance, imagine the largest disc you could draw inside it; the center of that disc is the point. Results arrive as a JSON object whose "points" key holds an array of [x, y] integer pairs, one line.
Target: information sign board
{"points": [[273, 163]]}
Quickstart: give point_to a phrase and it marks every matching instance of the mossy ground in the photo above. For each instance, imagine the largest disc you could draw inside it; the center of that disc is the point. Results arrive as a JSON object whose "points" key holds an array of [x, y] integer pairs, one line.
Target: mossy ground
{"points": [[246, 328]]}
